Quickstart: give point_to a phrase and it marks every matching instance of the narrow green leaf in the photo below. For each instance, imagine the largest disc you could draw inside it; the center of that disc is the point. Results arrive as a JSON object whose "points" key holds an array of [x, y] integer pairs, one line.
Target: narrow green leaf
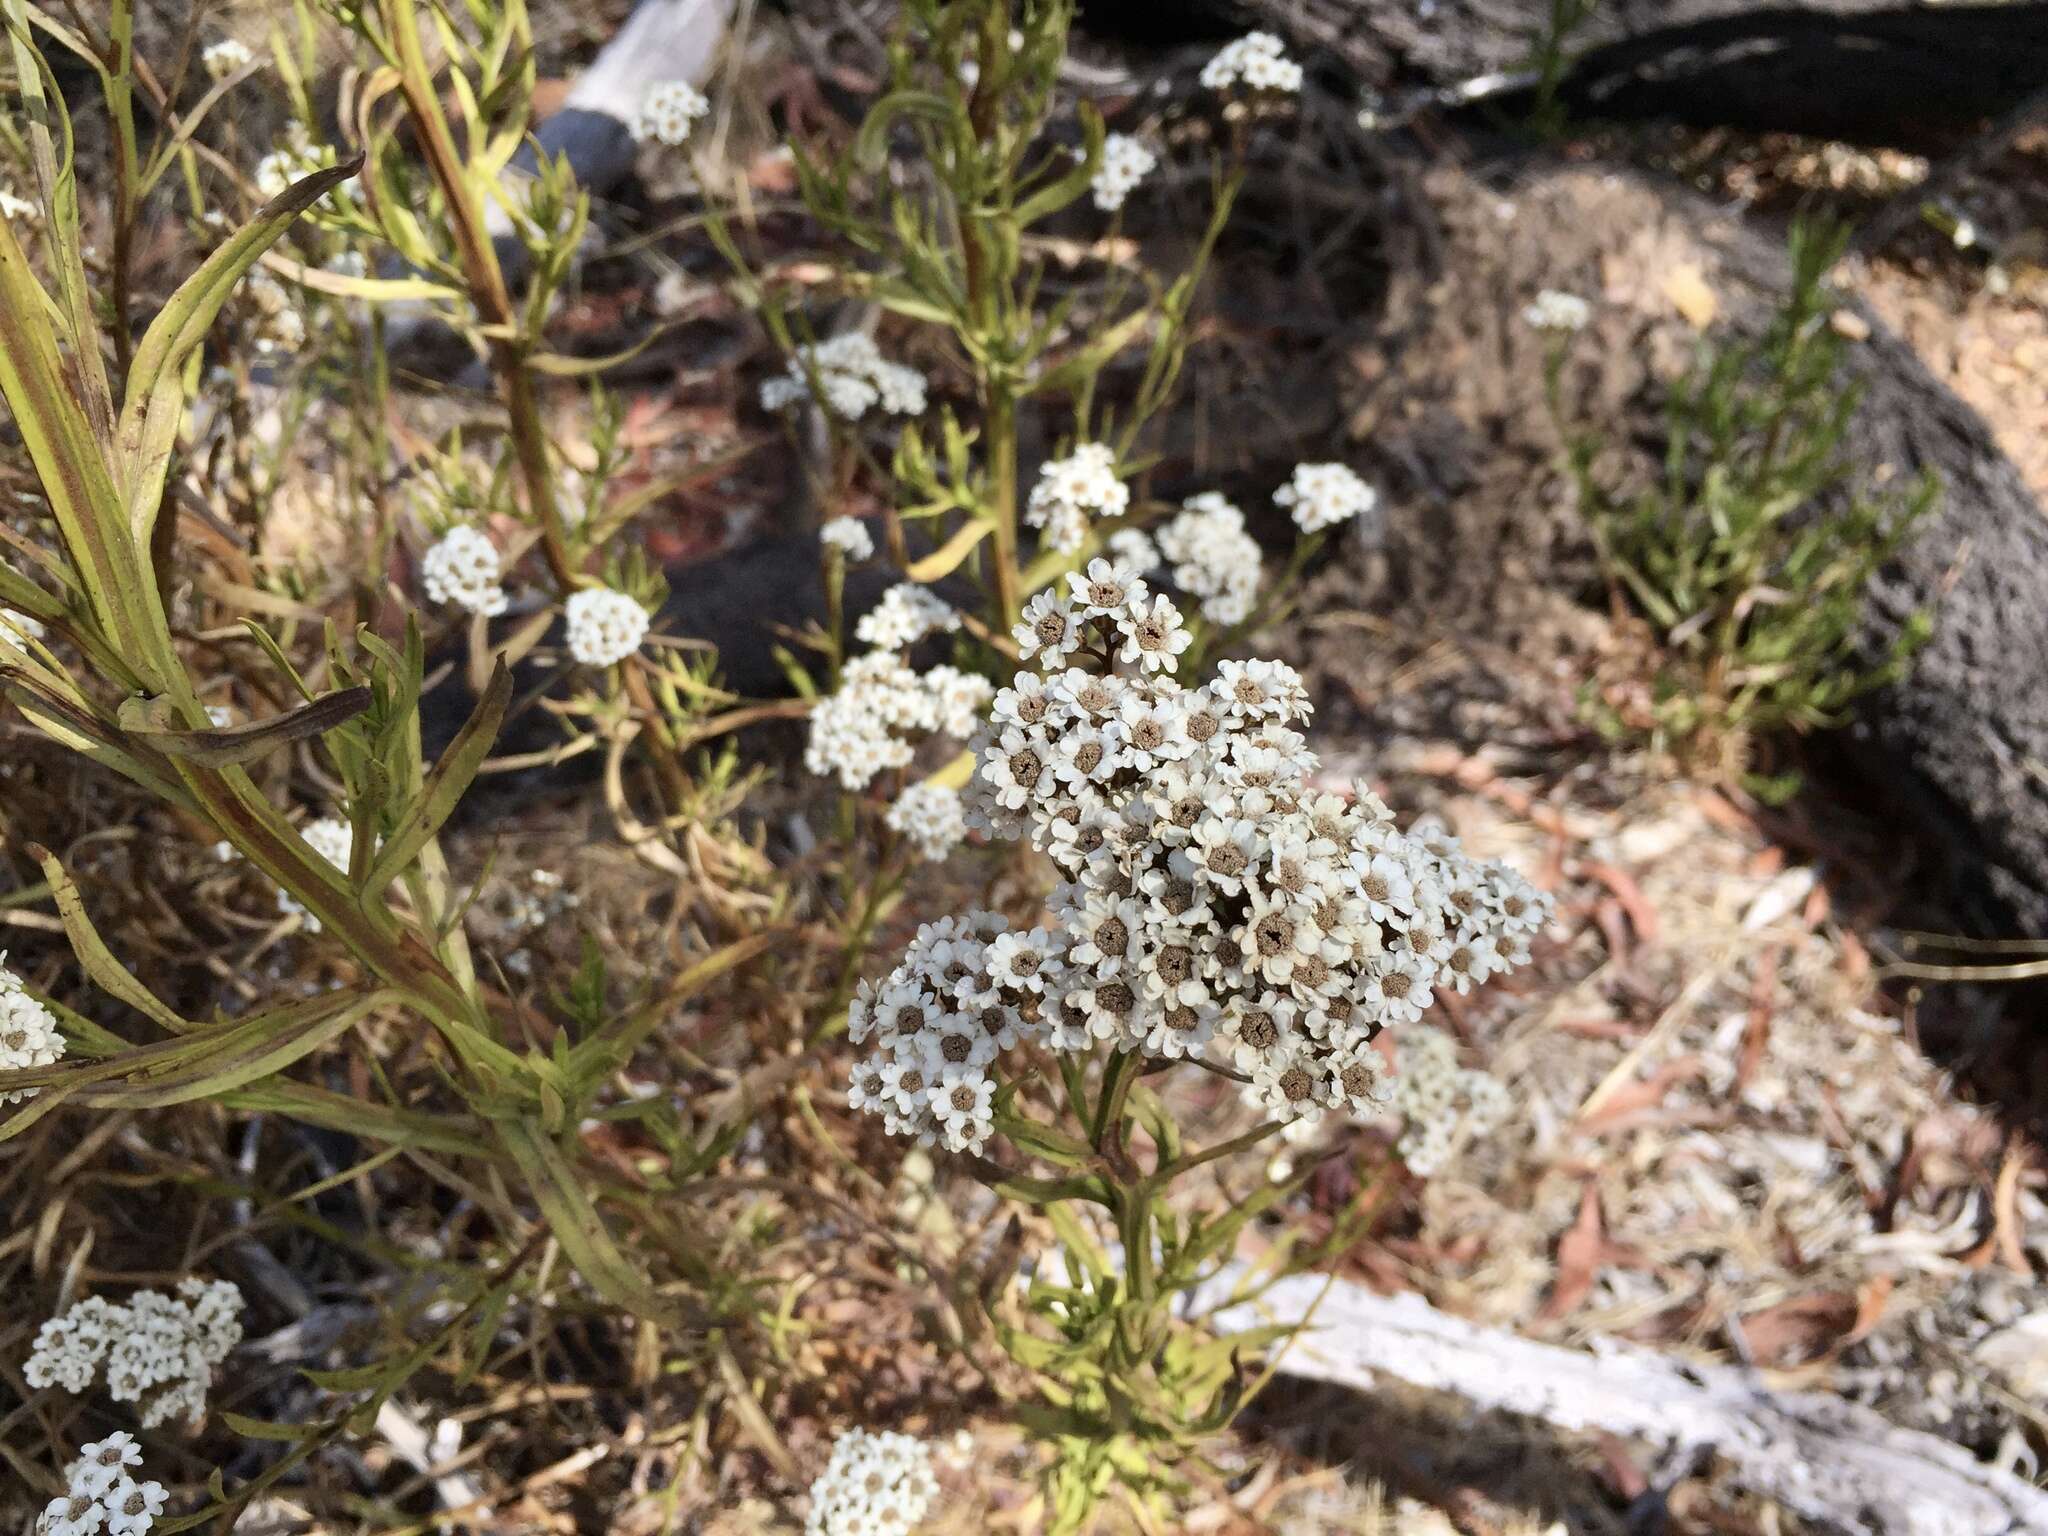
{"points": [[106, 972], [444, 786], [151, 719], [576, 1224], [155, 398]]}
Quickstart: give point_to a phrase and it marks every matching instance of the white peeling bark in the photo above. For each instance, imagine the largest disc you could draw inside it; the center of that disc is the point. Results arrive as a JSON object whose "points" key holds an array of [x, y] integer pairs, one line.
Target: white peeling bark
{"points": [[1835, 1464]]}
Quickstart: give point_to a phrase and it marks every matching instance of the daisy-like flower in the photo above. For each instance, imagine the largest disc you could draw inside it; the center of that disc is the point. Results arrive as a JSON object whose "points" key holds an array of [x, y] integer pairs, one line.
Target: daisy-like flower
{"points": [[1103, 591], [1153, 730], [1153, 635], [1049, 631], [464, 569], [1019, 959], [1555, 311], [1222, 852], [963, 1101], [850, 536], [1125, 162], [605, 627], [132, 1507], [1322, 495], [667, 111], [1018, 770]]}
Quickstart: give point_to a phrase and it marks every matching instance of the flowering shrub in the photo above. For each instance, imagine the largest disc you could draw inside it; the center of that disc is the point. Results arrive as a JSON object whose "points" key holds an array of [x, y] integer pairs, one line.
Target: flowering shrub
{"points": [[1048, 691]]}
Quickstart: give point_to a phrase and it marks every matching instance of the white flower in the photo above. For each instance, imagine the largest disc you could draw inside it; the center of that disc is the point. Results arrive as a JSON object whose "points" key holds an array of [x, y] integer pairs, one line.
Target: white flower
{"points": [[605, 627], [464, 569], [1048, 632], [848, 535], [905, 615], [158, 1350], [1213, 558], [223, 58], [132, 1507], [1322, 495], [1072, 491], [292, 161], [28, 1033], [1555, 311], [852, 378], [1259, 60], [19, 210], [874, 1485], [1125, 162], [1153, 635], [666, 112], [931, 817]]}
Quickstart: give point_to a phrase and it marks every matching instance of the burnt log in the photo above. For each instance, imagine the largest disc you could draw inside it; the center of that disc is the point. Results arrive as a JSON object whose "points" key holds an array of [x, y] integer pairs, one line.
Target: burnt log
{"points": [[1921, 77], [1483, 535]]}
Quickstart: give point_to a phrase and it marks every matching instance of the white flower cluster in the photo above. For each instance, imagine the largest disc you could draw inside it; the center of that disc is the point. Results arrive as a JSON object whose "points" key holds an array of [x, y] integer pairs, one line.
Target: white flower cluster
{"points": [[666, 112], [279, 326], [1322, 495], [854, 376], [1214, 560], [1554, 311], [28, 1033], [335, 841], [294, 160], [1259, 59], [1440, 1101], [1125, 162], [19, 626], [464, 569], [1071, 491], [604, 626], [150, 1342], [101, 1495], [848, 535], [223, 58], [874, 1485], [860, 730], [1212, 897], [932, 817], [905, 615]]}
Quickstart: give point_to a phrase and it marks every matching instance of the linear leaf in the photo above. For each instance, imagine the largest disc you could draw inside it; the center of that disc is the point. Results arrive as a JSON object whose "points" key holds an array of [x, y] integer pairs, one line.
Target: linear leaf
{"points": [[150, 719], [155, 399], [946, 559], [106, 972], [576, 1223], [445, 785]]}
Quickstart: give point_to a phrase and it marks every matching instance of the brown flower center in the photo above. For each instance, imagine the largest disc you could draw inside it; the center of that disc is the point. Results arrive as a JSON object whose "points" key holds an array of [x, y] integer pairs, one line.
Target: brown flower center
{"points": [[1226, 859], [1397, 984], [1025, 768], [1296, 1085], [1273, 934], [956, 1048], [1115, 998], [1258, 1030], [1175, 964], [1112, 936], [1051, 629], [1358, 1080], [1203, 724], [1088, 756]]}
